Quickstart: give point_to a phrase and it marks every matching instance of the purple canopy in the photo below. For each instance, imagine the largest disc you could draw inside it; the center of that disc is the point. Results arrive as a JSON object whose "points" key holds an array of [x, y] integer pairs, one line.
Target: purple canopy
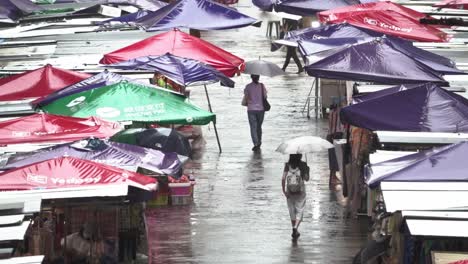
{"points": [[181, 70], [11, 10], [151, 5], [381, 60], [443, 164], [310, 7], [365, 97], [343, 30], [427, 108], [120, 155], [316, 49], [196, 14], [99, 80], [129, 18]]}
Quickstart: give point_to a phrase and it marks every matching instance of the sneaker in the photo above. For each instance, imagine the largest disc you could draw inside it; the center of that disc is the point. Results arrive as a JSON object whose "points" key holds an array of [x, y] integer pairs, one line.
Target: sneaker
{"points": [[295, 234], [255, 148]]}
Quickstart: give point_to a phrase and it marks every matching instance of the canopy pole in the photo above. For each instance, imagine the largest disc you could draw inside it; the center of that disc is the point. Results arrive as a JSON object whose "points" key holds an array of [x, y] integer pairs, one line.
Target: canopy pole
{"points": [[316, 97], [214, 123], [307, 103]]}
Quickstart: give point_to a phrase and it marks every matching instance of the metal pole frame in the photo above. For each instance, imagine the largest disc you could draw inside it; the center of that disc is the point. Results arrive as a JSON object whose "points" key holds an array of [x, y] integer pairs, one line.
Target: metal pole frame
{"points": [[214, 123]]}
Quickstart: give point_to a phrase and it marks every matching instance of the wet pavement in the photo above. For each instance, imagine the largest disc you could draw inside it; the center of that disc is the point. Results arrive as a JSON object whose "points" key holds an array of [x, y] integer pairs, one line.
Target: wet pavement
{"points": [[239, 214]]}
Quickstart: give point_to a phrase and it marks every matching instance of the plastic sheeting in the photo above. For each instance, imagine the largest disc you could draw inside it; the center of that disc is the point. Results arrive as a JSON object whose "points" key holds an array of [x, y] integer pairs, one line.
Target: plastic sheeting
{"points": [[388, 18], [181, 70], [180, 44], [120, 155], [125, 101], [381, 60], [69, 172], [427, 108], [442, 164], [51, 128], [37, 83], [196, 14]]}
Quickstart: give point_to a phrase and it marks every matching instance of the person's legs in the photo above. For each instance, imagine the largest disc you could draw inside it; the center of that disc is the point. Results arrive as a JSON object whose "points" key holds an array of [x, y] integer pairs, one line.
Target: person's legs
{"points": [[260, 116], [288, 58], [253, 127], [297, 61], [299, 205]]}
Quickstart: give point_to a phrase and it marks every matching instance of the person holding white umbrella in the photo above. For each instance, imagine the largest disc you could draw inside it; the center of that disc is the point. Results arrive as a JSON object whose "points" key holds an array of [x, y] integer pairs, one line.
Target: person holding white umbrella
{"points": [[296, 173]]}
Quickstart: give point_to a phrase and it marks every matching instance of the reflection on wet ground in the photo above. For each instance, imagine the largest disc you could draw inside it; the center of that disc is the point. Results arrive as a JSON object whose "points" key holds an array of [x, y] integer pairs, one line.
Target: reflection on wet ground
{"points": [[239, 214]]}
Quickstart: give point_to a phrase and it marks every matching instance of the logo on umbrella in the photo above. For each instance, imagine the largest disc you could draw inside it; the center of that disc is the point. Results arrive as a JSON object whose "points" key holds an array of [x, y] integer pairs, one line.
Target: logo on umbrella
{"points": [[76, 101], [107, 112], [37, 178]]}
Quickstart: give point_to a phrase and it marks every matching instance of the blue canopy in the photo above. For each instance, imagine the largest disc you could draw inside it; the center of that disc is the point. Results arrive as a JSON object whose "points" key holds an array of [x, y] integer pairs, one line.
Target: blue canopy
{"points": [[99, 80], [383, 60], [442, 164], [427, 108], [181, 70], [196, 14], [342, 30]]}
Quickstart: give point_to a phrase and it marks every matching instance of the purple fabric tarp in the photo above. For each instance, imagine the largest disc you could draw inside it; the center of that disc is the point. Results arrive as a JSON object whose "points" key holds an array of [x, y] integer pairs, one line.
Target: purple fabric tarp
{"points": [[381, 60], [442, 164], [99, 80], [264, 5], [111, 153], [129, 18], [342, 30], [427, 108], [196, 14], [151, 5], [310, 7], [181, 70], [317, 49], [14, 9], [395, 89]]}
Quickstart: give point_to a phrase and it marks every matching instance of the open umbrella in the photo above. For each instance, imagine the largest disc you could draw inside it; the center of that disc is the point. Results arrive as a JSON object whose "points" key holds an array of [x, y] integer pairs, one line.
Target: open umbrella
{"points": [[264, 68], [304, 145]]}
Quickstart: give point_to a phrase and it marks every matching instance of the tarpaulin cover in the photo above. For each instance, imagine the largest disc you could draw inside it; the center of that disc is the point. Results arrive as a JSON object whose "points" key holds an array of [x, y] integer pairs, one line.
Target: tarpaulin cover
{"points": [[457, 4], [125, 101], [180, 44], [386, 17], [391, 90], [440, 64], [120, 155], [196, 14], [51, 128], [99, 80], [310, 7], [14, 9], [341, 30], [163, 139], [69, 172], [264, 5], [151, 5], [427, 108], [181, 70], [316, 49], [380, 60], [445, 164], [37, 83]]}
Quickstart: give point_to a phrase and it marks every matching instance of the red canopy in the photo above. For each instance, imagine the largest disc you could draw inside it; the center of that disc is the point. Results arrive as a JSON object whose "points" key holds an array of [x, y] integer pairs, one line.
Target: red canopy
{"points": [[386, 17], [52, 128], [69, 172], [458, 4], [37, 83], [180, 44]]}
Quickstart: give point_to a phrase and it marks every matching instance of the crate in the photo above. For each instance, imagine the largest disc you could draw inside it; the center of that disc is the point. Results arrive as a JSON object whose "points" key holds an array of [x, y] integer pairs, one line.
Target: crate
{"points": [[160, 199], [180, 189], [181, 199]]}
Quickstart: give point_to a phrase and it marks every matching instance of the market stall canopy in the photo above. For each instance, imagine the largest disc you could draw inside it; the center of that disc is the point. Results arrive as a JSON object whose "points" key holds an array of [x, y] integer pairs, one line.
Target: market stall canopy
{"points": [[196, 14], [124, 156], [340, 30], [70, 172], [151, 5], [384, 60], [388, 18], [128, 18], [180, 44], [37, 83], [163, 139], [11, 10], [310, 7], [457, 4], [99, 80], [395, 89], [181, 70], [51, 128], [427, 108], [125, 101], [442, 164]]}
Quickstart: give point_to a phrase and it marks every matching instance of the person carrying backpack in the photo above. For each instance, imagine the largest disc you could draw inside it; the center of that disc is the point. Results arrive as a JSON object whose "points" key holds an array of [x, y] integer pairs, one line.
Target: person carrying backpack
{"points": [[296, 172]]}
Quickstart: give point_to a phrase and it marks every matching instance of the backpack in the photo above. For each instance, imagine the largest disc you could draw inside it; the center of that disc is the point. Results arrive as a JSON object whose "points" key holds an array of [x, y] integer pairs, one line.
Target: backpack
{"points": [[294, 180]]}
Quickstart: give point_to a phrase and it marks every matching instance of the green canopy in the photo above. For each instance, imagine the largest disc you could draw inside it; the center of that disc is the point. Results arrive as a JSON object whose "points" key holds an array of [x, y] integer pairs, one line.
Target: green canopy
{"points": [[126, 101]]}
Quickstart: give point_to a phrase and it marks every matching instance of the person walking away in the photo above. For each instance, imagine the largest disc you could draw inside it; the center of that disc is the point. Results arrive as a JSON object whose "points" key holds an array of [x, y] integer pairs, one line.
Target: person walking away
{"points": [[295, 173], [254, 93], [290, 51]]}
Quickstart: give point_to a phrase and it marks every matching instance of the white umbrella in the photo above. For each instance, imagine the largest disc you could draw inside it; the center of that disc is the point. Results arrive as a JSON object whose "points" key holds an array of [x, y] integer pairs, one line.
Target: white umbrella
{"points": [[264, 68], [304, 145]]}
